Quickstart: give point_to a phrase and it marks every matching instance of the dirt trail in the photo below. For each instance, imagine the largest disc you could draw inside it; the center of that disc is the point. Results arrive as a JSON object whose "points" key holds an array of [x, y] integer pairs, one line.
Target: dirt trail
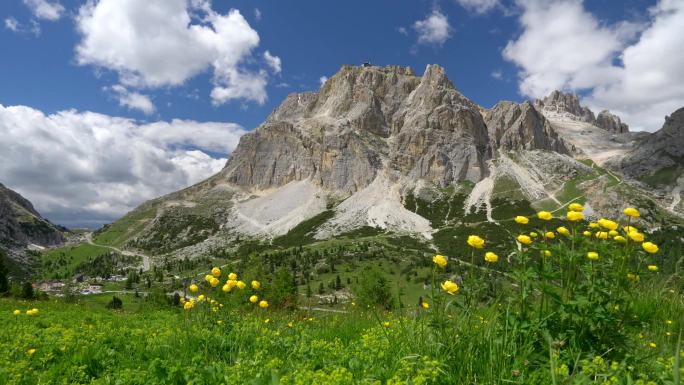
{"points": [[145, 259]]}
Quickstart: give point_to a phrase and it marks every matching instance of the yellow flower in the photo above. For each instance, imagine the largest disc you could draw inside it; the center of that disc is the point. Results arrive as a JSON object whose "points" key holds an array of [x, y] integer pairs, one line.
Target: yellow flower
{"points": [[263, 304], [17, 312], [475, 241], [593, 225], [652, 345], [575, 216], [620, 239], [440, 261], [587, 233], [214, 282], [253, 299], [632, 277], [201, 298], [522, 220], [601, 235], [524, 239], [193, 288], [650, 247], [256, 285], [576, 207], [491, 257], [386, 324], [653, 268], [547, 253], [563, 230], [636, 236], [593, 256], [188, 305], [607, 224], [425, 305], [550, 235], [544, 215], [290, 324], [668, 322], [31, 352], [232, 276], [216, 272], [612, 233], [629, 229], [226, 288], [450, 287], [208, 277], [219, 322], [632, 212], [240, 285]]}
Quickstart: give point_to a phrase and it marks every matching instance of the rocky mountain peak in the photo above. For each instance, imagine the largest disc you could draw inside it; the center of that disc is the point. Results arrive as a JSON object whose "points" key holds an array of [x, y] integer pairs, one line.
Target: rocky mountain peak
{"points": [[610, 122], [566, 103], [20, 223]]}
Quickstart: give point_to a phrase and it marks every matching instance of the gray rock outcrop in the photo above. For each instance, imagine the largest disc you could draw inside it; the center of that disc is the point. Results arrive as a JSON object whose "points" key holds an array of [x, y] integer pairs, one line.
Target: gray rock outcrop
{"points": [[610, 122], [20, 223], [513, 126]]}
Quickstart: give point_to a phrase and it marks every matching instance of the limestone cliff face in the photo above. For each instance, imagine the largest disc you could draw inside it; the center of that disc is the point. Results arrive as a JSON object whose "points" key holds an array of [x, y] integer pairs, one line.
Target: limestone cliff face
{"points": [[611, 122], [365, 120], [662, 150], [568, 105], [20, 223], [513, 126]]}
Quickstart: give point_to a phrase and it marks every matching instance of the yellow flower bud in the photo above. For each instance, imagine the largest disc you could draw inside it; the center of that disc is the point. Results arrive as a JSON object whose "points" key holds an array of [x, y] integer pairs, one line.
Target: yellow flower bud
{"points": [[632, 212], [544, 215], [592, 255], [521, 220], [524, 239], [440, 261], [491, 257], [650, 247]]}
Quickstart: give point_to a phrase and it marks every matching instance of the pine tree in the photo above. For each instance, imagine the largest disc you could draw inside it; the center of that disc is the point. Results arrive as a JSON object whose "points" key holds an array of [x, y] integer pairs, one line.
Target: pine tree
{"points": [[4, 283]]}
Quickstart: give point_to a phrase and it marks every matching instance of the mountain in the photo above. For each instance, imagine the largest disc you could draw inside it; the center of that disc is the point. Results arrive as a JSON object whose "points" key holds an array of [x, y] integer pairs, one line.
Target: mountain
{"points": [[382, 150], [21, 226], [658, 160]]}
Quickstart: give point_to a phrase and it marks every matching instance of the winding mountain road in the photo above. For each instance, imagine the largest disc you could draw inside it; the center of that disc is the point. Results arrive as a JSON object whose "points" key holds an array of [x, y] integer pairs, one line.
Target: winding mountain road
{"points": [[145, 259]]}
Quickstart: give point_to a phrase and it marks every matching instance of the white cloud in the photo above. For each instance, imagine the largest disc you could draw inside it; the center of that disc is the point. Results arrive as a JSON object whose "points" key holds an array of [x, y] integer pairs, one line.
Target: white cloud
{"points": [[87, 168], [403, 31], [46, 10], [434, 29], [133, 100], [322, 80], [273, 62], [257, 14], [158, 43], [12, 24], [498, 75], [479, 6], [15, 26], [631, 68]]}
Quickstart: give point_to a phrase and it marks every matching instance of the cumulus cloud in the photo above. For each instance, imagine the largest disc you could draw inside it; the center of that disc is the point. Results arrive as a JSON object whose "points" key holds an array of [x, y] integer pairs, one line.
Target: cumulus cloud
{"points": [[479, 6], [44, 9], [630, 68], [157, 43], [433, 30], [133, 100], [84, 168], [273, 62]]}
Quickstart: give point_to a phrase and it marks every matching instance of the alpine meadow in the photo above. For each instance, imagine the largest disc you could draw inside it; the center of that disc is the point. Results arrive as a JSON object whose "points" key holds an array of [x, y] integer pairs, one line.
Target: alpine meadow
{"points": [[204, 193]]}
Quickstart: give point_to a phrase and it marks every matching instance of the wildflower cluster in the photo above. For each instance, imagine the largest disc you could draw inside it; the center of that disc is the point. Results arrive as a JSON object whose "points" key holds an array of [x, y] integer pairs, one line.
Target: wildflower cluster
{"points": [[232, 284]]}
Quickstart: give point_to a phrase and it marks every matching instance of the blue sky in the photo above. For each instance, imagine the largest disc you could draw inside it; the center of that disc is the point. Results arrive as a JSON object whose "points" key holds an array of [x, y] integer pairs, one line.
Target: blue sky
{"points": [[182, 94]]}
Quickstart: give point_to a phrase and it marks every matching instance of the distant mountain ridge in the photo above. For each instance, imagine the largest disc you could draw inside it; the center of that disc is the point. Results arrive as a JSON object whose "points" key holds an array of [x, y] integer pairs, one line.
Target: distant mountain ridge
{"points": [[21, 226], [373, 142]]}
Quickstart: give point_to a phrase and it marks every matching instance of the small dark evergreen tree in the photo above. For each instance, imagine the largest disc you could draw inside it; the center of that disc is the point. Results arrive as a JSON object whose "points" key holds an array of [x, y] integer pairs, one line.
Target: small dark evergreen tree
{"points": [[115, 303], [27, 290], [4, 283]]}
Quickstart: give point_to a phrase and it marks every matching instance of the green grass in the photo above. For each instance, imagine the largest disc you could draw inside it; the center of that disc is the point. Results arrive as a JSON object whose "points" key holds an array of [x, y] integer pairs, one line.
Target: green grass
{"points": [[666, 176], [63, 261], [119, 232]]}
